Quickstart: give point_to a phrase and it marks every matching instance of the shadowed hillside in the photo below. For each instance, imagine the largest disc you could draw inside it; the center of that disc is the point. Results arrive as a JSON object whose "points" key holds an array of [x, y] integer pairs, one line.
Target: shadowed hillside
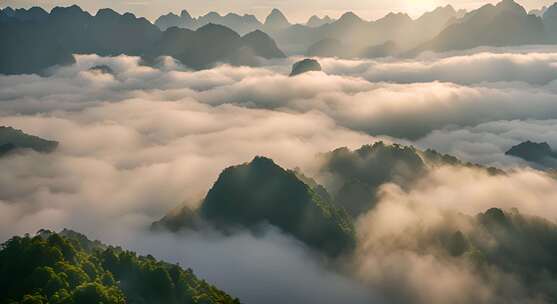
{"points": [[259, 193]]}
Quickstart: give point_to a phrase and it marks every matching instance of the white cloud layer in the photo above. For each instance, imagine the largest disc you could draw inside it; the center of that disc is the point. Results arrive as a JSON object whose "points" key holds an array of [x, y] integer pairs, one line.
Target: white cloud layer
{"points": [[136, 143]]}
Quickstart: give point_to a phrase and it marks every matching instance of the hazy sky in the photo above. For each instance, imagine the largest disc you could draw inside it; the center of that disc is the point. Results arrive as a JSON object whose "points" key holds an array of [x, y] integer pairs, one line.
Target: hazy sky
{"points": [[296, 10]]}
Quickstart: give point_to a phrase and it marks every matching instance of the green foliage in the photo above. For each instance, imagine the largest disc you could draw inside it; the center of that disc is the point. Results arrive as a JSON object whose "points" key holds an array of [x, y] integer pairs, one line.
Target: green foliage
{"points": [[67, 268], [261, 192], [361, 172], [511, 243]]}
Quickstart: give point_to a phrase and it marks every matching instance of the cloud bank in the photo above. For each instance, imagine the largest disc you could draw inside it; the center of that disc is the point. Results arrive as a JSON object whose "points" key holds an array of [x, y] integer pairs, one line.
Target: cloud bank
{"points": [[137, 142]]}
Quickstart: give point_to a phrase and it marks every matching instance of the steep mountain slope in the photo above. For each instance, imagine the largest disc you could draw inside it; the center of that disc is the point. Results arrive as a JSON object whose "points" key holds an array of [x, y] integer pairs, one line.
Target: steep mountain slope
{"points": [[260, 192], [69, 268]]}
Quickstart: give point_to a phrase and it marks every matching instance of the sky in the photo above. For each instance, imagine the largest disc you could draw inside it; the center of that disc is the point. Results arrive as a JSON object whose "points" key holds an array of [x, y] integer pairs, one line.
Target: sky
{"points": [[296, 11]]}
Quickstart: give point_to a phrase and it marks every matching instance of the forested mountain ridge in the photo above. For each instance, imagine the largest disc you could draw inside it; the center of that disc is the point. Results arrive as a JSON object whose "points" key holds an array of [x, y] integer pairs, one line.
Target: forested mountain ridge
{"points": [[68, 268]]}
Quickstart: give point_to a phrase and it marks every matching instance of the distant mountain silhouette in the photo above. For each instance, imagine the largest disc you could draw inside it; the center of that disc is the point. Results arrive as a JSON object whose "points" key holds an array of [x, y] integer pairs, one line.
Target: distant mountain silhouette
{"points": [[305, 65], [9, 14], [550, 23], [504, 24], [260, 192], [240, 24], [329, 47], [12, 140], [443, 29], [276, 21], [315, 21], [356, 35], [70, 30], [185, 20], [214, 43]]}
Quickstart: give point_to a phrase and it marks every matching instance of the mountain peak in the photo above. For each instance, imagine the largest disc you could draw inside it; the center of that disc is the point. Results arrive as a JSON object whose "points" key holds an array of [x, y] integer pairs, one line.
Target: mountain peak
{"points": [[395, 17], [262, 161], [276, 20], [185, 14], [349, 17], [212, 15], [107, 13], [69, 10], [259, 193], [511, 6], [315, 21]]}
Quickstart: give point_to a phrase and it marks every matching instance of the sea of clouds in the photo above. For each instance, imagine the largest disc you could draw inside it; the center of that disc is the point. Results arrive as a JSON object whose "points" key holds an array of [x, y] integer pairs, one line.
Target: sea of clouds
{"points": [[140, 141]]}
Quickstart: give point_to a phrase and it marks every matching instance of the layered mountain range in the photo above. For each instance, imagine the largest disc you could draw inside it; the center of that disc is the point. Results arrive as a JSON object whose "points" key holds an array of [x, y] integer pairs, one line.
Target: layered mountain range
{"points": [[443, 29], [34, 40]]}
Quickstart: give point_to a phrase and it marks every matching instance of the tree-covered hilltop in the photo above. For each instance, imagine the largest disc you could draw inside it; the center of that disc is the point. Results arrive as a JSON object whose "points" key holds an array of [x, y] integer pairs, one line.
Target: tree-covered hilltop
{"points": [[357, 175], [68, 268], [261, 192]]}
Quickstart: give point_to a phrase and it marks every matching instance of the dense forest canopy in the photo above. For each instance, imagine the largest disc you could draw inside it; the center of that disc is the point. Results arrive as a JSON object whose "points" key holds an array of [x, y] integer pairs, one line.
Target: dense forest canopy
{"points": [[67, 268]]}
